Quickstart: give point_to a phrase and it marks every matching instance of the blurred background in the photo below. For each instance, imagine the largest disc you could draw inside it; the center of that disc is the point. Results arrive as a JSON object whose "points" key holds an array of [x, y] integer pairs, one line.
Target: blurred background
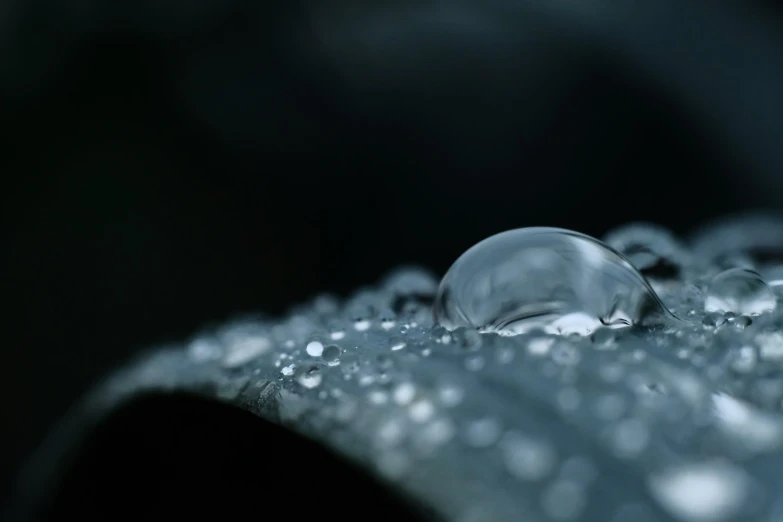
{"points": [[171, 164]]}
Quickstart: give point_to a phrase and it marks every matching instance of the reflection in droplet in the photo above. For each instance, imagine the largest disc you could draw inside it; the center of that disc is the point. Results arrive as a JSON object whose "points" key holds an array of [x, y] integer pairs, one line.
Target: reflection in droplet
{"points": [[545, 278], [741, 291]]}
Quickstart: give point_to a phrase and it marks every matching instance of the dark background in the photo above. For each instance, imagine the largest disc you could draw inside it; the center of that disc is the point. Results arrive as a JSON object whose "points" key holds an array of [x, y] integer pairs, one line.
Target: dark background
{"points": [[167, 164]]}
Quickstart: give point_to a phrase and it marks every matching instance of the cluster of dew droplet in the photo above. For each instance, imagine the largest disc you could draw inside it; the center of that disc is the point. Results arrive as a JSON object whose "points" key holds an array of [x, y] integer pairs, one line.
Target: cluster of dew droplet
{"points": [[645, 351]]}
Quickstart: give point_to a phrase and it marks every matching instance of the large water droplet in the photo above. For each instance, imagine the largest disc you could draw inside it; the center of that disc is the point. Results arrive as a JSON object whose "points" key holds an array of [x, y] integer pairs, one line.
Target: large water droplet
{"points": [[741, 291], [541, 277]]}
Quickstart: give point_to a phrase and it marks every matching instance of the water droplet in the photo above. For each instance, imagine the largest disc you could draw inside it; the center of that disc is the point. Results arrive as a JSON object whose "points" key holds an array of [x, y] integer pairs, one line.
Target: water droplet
{"points": [[378, 397], [434, 434], [467, 338], [309, 376], [387, 320], [396, 343], [391, 432], [314, 348], [404, 393], [714, 320], [650, 248], [450, 394], [531, 278], [742, 322], [288, 370], [526, 458], [482, 433], [740, 291], [701, 492], [331, 354], [421, 410], [362, 325]]}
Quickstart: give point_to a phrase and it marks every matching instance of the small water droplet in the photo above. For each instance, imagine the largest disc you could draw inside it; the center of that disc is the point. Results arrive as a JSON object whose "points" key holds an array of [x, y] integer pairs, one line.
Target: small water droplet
{"points": [[482, 433], [337, 334], [362, 325], [309, 376], [741, 291], [378, 397], [467, 338], [742, 322], [288, 370], [450, 394], [531, 278], [388, 320], [314, 348], [396, 343], [527, 458], [421, 410], [404, 393], [434, 434], [331, 354], [713, 320]]}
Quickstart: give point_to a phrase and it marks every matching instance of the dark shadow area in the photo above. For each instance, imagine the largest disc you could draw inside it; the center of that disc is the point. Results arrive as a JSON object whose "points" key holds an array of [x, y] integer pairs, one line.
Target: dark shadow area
{"points": [[179, 457]]}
